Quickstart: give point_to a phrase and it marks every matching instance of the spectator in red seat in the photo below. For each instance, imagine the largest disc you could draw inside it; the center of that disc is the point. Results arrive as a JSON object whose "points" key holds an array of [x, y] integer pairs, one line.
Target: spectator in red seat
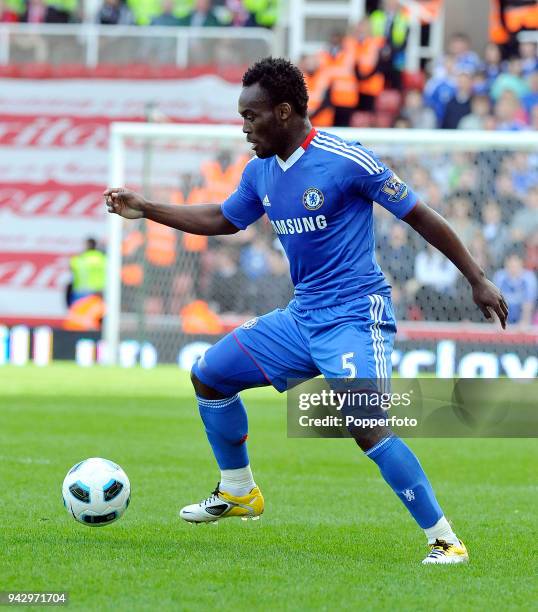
{"points": [[419, 115], [518, 286], [460, 103], [202, 15]]}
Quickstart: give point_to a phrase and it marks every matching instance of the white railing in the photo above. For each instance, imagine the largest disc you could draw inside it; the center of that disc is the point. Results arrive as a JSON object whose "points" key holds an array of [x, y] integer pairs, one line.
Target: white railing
{"points": [[303, 12], [90, 39]]}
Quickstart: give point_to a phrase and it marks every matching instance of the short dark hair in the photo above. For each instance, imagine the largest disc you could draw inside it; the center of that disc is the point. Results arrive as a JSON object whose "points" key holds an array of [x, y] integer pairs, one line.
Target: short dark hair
{"points": [[282, 81], [91, 244]]}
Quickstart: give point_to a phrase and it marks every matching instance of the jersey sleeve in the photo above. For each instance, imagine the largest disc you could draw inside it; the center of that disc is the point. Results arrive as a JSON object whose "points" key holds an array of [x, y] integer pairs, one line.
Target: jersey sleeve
{"points": [[244, 206], [372, 179]]}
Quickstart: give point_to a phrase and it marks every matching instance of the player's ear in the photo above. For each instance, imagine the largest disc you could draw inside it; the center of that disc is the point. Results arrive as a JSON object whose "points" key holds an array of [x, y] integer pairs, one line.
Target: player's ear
{"points": [[283, 111]]}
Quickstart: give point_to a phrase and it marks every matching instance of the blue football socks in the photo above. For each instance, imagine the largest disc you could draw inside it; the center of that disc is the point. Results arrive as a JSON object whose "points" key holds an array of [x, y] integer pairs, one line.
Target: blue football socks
{"points": [[403, 473], [226, 426]]}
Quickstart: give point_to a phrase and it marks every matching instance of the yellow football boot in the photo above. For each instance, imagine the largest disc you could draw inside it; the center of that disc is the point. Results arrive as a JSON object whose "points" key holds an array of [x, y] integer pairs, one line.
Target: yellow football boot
{"points": [[444, 553], [223, 505]]}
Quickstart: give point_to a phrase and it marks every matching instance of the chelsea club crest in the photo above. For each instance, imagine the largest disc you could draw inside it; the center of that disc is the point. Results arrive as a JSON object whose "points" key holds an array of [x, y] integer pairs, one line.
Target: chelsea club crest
{"points": [[313, 198]]}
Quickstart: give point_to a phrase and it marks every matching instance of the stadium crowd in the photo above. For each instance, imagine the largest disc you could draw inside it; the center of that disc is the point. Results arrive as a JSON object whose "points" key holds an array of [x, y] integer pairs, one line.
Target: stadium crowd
{"points": [[248, 13], [358, 80], [491, 198]]}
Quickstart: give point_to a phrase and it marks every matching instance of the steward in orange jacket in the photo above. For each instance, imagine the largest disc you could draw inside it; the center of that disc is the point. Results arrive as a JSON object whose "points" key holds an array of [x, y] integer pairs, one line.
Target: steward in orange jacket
{"points": [[367, 52], [222, 175], [320, 111], [338, 63], [508, 17]]}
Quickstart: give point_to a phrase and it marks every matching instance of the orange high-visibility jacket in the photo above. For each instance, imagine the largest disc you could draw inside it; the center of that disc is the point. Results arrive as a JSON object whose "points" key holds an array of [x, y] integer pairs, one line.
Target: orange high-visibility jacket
{"points": [[193, 243], [317, 85], [367, 57], [198, 318], [516, 19], [220, 183], [429, 10], [85, 314], [341, 74]]}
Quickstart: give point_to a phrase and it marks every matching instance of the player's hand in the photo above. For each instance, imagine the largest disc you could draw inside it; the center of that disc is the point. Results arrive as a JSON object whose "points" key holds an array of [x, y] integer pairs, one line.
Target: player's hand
{"points": [[127, 204], [489, 299]]}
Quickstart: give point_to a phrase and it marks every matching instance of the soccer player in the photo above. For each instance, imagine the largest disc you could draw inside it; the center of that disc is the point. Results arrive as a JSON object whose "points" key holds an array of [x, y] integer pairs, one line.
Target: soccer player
{"points": [[318, 192]]}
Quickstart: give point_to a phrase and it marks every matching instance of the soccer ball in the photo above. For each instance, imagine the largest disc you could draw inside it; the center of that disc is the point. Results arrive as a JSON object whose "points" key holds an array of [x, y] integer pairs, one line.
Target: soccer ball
{"points": [[96, 492]]}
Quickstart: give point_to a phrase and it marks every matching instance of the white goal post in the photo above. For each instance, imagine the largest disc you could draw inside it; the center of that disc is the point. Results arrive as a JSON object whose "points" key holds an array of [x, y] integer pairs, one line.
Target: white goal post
{"points": [[425, 148]]}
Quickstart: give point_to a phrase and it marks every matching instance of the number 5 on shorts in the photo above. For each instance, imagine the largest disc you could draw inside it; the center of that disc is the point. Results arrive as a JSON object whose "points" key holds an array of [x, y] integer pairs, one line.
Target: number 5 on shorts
{"points": [[348, 365]]}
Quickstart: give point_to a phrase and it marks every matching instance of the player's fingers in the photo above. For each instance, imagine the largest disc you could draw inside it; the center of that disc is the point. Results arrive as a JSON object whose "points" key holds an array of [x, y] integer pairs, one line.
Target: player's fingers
{"points": [[485, 311], [113, 206], [112, 190], [501, 314]]}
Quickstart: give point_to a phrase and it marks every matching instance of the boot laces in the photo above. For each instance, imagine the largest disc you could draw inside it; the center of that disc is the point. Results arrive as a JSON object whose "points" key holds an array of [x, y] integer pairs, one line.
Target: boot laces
{"points": [[212, 498]]}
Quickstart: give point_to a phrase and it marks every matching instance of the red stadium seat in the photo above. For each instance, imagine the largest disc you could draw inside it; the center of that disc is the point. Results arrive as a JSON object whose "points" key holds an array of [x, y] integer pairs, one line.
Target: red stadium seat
{"points": [[388, 101], [413, 80], [385, 120], [361, 119]]}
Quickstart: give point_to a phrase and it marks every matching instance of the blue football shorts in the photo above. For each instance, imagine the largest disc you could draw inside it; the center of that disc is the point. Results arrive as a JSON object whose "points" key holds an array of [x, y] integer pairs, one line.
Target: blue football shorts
{"points": [[351, 340]]}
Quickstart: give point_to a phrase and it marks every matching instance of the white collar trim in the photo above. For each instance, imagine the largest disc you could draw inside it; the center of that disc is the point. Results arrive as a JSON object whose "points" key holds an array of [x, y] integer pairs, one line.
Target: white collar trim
{"points": [[294, 157]]}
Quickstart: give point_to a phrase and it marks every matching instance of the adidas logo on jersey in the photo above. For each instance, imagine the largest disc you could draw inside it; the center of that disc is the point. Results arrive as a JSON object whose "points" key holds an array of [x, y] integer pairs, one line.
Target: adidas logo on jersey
{"points": [[266, 201]]}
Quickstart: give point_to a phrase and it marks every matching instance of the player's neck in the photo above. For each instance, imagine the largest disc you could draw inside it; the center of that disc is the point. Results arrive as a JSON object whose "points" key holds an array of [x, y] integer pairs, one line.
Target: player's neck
{"points": [[299, 136]]}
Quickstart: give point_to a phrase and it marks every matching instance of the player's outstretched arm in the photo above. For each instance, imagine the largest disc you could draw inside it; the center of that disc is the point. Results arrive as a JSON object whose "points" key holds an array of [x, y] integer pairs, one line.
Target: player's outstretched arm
{"points": [[437, 231], [202, 219]]}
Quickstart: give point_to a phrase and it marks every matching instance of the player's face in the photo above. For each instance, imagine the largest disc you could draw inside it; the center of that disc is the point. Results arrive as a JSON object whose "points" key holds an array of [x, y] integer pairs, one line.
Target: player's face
{"points": [[260, 121]]}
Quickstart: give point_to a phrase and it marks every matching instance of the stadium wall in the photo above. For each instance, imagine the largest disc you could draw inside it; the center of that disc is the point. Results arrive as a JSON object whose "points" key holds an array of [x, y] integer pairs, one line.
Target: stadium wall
{"points": [[54, 166]]}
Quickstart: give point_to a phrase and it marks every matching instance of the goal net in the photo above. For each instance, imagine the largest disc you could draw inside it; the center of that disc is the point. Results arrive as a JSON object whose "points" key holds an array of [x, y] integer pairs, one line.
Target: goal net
{"points": [[168, 292]]}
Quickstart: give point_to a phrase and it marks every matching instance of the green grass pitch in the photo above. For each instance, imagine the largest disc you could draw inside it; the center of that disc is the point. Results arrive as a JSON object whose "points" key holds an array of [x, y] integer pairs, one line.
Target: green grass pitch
{"points": [[333, 536]]}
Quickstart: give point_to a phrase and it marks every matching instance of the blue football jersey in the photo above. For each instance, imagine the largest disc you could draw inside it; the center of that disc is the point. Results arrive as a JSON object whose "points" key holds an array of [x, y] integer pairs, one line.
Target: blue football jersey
{"points": [[320, 204]]}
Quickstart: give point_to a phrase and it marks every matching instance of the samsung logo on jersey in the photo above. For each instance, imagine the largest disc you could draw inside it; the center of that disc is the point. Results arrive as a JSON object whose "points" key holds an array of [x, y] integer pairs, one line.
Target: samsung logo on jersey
{"points": [[298, 225]]}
